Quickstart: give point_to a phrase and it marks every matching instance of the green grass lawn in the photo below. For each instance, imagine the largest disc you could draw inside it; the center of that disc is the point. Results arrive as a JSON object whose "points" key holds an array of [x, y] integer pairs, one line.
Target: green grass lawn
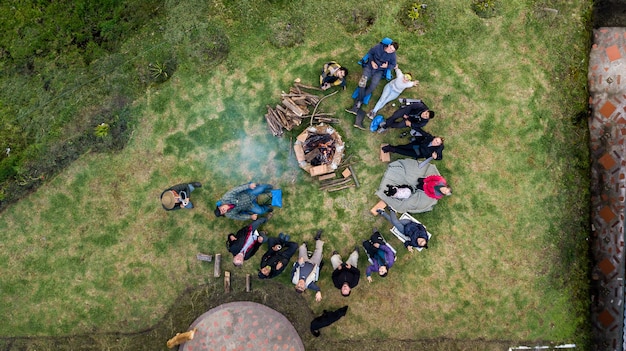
{"points": [[92, 250]]}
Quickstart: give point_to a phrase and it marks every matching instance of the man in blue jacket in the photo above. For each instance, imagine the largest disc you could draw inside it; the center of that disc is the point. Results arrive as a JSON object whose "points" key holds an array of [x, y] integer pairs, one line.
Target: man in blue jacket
{"points": [[378, 59]]}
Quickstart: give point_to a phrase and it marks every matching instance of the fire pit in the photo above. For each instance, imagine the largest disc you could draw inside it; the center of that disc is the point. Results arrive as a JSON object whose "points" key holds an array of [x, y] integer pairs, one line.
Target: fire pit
{"points": [[319, 149]]}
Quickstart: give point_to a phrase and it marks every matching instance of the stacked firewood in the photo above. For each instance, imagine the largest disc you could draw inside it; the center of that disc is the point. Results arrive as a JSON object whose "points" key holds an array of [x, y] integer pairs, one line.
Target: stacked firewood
{"points": [[294, 108]]}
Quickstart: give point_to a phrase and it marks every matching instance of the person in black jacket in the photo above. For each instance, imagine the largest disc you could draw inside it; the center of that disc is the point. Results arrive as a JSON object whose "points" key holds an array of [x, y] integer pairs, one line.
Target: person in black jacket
{"points": [[177, 196], [424, 146], [246, 242], [415, 116], [279, 252], [345, 274], [415, 232]]}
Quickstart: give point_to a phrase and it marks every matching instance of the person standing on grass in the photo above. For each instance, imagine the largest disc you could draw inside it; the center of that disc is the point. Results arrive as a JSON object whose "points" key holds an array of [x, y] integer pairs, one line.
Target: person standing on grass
{"points": [[392, 90], [424, 146], [379, 58], [346, 275], [277, 257], [240, 203], [177, 196], [415, 116], [305, 272], [246, 242], [416, 232], [333, 75], [381, 255]]}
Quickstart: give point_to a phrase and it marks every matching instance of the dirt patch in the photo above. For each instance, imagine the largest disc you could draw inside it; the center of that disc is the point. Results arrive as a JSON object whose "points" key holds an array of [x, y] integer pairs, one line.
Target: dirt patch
{"points": [[609, 13], [197, 300]]}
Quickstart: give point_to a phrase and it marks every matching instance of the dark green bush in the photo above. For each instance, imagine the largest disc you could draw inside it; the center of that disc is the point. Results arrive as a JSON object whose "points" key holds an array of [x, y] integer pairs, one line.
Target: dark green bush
{"points": [[416, 16]]}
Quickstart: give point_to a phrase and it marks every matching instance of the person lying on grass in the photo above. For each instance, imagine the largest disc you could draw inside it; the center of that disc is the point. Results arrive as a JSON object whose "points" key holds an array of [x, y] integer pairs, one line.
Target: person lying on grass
{"points": [[240, 203], [306, 270], [333, 75], [392, 90], [277, 257], [434, 186], [246, 242], [381, 255], [346, 275], [423, 146], [415, 116], [415, 232]]}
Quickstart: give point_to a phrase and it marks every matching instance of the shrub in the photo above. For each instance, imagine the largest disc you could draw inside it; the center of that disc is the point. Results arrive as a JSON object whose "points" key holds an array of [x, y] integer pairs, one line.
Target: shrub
{"points": [[485, 8], [416, 17]]}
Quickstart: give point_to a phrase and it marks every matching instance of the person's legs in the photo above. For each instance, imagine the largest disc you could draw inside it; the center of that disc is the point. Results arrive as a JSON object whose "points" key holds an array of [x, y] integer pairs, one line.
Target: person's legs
{"points": [[302, 252], [260, 189], [257, 223], [291, 248], [259, 209], [369, 248], [317, 254], [396, 120], [395, 222], [353, 260], [376, 77], [406, 150], [385, 97], [365, 77], [191, 187], [335, 260]]}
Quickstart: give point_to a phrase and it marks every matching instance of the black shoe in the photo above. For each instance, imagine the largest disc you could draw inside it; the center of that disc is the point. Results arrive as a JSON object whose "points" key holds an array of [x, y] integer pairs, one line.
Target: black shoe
{"points": [[271, 209], [334, 253], [318, 235], [197, 184]]}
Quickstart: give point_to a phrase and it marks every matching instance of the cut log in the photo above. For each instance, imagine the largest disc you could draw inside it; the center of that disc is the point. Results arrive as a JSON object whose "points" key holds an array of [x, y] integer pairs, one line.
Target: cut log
{"points": [[227, 282], [292, 106], [217, 271], [248, 283]]}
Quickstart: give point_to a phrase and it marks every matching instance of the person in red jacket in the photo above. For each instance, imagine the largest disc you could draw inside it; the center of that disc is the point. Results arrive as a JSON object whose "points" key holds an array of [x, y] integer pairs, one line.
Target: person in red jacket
{"points": [[435, 186]]}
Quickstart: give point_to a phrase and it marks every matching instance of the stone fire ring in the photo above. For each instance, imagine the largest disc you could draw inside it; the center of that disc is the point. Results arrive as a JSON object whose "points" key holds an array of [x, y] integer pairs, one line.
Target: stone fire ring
{"points": [[243, 325], [321, 169]]}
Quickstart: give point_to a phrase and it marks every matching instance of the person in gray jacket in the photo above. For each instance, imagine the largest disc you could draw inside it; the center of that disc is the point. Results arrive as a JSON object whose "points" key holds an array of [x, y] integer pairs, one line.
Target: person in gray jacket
{"points": [[305, 271]]}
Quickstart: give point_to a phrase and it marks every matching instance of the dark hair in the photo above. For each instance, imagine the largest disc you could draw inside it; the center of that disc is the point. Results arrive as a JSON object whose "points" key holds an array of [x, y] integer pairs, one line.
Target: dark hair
{"points": [[316, 333], [217, 211], [395, 45], [262, 276], [387, 272], [344, 69], [391, 190], [431, 114]]}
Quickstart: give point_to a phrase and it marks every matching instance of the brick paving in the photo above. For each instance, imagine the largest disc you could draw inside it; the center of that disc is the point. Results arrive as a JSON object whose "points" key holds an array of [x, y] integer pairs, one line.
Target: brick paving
{"points": [[607, 127], [243, 326]]}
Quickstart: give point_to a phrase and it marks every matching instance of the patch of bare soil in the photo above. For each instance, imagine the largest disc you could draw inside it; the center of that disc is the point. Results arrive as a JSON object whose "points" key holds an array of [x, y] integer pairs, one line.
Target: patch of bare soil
{"points": [[609, 13], [195, 301]]}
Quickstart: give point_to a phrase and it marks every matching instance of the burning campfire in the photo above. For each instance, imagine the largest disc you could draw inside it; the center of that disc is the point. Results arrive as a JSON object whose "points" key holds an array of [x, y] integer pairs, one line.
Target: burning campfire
{"points": [[319, 149]]}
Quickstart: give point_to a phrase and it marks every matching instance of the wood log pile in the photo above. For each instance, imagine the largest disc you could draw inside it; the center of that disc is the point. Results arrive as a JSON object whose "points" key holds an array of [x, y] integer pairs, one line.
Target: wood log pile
{"points": [[295, 107]]}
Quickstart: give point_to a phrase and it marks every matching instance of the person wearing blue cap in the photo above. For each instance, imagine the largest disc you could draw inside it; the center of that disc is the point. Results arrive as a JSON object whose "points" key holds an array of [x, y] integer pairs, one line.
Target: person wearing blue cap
{"points": [[378, 60]]}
